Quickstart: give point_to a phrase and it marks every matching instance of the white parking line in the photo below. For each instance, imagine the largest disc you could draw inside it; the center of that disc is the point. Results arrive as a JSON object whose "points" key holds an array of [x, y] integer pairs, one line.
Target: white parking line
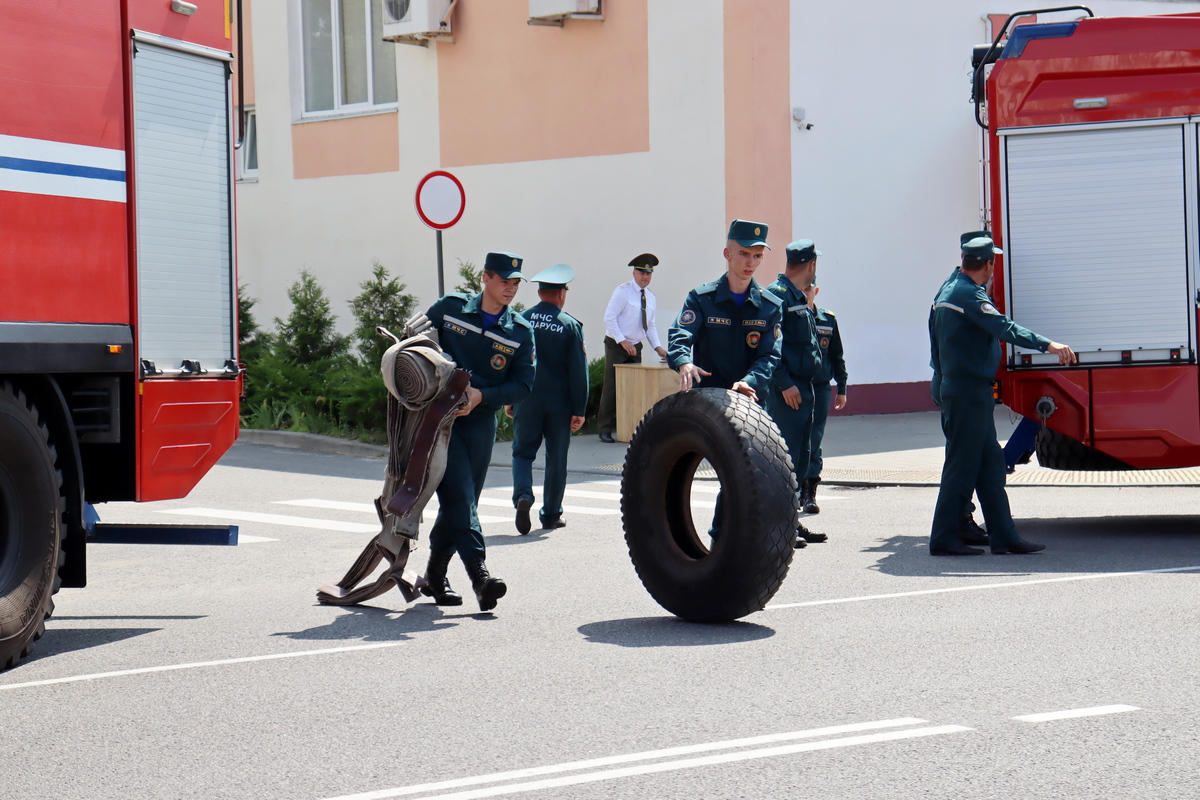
{"points": [[197, 665], [594, 763], [979, 587], [1077, 712]]}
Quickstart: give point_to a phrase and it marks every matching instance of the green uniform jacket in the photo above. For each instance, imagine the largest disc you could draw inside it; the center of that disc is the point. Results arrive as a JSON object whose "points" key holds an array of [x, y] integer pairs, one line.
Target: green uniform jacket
{"points": [[562, 372], [800, 358], [963, 329], [499, 359], [734, 344], [833, 361]]}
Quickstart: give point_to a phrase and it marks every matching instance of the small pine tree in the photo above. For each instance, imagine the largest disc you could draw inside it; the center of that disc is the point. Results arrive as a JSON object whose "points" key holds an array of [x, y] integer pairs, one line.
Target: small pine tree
{"points": [[308, 334], [252, 341], [382, 301], [472, 279]]}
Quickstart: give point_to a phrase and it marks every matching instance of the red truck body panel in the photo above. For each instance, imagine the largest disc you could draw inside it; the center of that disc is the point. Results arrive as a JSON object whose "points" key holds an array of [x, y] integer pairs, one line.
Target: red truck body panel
{"points": [[66, 96], [1145, 68]]}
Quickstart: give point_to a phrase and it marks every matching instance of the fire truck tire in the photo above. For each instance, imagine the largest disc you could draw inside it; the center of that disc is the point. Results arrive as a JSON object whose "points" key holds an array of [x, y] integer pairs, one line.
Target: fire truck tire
{"points": [[1057, 451], [750, 558], [31, 509]]}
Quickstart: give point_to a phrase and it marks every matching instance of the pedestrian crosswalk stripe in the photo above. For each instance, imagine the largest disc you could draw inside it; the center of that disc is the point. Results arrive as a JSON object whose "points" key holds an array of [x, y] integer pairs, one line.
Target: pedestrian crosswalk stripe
{"points": [[273, 519]]}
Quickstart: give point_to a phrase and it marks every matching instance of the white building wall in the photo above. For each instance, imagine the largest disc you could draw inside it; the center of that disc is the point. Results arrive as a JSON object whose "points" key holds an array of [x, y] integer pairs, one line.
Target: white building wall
{"points": [[884, 182], [889, 175], [594, 213]]}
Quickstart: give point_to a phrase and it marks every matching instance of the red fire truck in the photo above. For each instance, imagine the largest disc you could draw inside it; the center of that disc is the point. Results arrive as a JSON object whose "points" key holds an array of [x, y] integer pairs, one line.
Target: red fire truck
{"points": [[1091, 128], [118, 311]]}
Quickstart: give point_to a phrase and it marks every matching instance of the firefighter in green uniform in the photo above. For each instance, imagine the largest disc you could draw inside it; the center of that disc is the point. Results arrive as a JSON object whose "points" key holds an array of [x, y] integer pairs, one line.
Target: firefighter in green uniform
{"points": [[790, 400], [495, 344], [833, 367], [727, 334], [963, 329], [556, 406]]}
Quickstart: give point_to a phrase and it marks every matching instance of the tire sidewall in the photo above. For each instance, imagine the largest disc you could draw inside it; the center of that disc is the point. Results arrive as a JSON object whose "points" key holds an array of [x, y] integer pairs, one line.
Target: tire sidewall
{"points": [[30, 526], [748, 560]]}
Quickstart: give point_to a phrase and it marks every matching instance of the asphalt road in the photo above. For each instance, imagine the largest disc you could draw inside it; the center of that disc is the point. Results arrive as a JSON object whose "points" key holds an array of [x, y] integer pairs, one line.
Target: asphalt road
{"points": [[876, 672]]}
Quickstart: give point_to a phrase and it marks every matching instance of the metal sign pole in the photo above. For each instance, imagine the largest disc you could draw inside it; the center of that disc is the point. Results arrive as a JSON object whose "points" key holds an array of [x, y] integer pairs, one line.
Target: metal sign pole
{"points": [[441, 277]]}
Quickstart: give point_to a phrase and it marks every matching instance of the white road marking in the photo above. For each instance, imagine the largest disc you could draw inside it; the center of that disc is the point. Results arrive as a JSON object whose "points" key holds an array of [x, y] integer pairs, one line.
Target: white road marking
{"points": [[244, 538], [647, 769], [431, 509], [274, 519], [197, 665], [1077, 712], [335, 505], [978, 587]]}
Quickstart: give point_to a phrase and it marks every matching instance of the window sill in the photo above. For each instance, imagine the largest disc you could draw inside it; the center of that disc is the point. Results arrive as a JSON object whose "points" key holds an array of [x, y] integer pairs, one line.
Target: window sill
{"points": [[366, 112], [248, 179]]}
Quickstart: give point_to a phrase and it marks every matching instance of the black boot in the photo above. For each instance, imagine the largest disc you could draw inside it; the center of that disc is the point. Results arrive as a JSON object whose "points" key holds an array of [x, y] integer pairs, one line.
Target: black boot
{"points": [[969, 531], [811, 507], [812, 537], [805, 497], [487, 589], [439, 588]]}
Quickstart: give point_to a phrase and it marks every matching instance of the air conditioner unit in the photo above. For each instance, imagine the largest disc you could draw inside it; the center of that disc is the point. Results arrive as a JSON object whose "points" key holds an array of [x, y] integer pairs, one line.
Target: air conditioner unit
{"points": [[557, 9], [416, 20]]}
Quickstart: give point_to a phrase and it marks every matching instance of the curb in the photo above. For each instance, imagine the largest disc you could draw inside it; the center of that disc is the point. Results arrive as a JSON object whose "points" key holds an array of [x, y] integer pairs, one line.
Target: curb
{"points": [[311, 441]]}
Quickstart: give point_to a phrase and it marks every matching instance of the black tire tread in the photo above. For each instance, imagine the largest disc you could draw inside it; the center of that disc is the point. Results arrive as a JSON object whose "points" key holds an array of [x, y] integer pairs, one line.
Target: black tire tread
{"points": [[762, 469], [1058, 451], [21, 652]]}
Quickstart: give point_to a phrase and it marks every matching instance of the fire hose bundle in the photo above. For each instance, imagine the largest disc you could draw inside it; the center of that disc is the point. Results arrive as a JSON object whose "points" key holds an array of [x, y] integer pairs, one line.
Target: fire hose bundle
{"points": [[425, 389]]}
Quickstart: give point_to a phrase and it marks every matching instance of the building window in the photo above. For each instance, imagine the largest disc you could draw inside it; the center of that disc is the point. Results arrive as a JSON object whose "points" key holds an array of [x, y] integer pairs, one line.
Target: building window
{"points": [[347, 65], [248, 152]]}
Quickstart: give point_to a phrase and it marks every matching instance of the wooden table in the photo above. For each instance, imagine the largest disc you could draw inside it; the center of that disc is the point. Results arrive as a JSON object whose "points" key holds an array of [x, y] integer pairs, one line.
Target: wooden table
{"points": [[640, 386]]}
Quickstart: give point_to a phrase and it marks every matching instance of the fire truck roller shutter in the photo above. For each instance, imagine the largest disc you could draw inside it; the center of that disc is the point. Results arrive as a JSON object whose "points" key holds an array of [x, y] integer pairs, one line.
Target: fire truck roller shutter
{"points": [[184, 238], [31, 526], [1096, 239]]}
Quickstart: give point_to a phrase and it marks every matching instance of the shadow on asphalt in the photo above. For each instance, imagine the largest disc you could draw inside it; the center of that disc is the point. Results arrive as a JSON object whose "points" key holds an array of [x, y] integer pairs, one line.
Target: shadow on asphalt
{"points": [[303, 462], [668, 631], [69, 640], [366, 623], [1073, 545]]}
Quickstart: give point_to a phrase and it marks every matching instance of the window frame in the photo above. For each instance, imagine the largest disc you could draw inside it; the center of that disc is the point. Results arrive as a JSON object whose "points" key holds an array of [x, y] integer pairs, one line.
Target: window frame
{"points": [[249, 144], [299, 105]]}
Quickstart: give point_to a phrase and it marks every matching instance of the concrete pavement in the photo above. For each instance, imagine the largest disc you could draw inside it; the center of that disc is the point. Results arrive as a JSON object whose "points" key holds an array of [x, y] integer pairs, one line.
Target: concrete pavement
{"points": [[868, 450]]}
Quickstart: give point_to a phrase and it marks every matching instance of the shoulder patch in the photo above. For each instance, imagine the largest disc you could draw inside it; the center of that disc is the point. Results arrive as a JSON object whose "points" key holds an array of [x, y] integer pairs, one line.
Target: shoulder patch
{"points": [[988, 308], [687, 317]]}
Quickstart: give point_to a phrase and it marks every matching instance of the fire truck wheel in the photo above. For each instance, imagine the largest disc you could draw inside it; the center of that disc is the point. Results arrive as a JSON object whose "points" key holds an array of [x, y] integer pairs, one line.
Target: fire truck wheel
{"points": [[31, 507], [749, 559], [1056, 451]]}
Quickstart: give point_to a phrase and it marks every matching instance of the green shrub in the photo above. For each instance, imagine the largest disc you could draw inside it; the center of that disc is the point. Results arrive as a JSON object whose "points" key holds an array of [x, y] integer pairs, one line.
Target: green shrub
{"points": [[308, 335], [382, 301]]}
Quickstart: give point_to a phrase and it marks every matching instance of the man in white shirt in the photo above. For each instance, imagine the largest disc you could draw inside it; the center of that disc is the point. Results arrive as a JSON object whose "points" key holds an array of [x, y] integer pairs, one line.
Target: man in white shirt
{"points": [[628, 319]]}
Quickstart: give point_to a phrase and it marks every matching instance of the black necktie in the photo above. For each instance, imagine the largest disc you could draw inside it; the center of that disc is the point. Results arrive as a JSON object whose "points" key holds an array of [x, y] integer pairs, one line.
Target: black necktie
{"points": [[644, 325]]}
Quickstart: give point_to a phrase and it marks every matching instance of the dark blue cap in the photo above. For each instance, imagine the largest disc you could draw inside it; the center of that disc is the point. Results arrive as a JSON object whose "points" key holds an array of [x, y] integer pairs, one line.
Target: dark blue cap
{"points": [[802, 251], [747, 233], [969, 235], [981, 247], [506, 265], [554, 277]]}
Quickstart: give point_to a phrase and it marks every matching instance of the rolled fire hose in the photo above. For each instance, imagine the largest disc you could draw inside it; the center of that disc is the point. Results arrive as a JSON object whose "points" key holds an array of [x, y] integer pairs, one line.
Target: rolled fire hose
{"points": [[425, 389]]}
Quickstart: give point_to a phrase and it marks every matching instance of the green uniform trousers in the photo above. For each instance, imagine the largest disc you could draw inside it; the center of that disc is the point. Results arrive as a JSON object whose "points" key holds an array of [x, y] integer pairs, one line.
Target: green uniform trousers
{"points": [[974, 463], [536, 418], [822, 397], [457, 529], [796, 425]]}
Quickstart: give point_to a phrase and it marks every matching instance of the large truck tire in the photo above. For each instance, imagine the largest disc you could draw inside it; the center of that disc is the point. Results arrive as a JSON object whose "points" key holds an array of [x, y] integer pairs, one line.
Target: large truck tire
{"points": [[1057, 451], [750, 558], [31, 509]]}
